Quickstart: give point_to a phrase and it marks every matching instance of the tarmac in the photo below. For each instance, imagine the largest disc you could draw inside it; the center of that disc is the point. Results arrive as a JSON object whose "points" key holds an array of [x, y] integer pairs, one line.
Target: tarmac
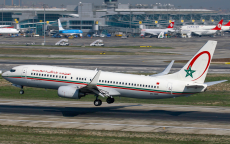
{"points": [[117, 116], [183, 49]]}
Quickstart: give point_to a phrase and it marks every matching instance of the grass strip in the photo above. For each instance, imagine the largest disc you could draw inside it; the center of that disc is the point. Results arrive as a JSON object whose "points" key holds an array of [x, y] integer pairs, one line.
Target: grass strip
{"points": [[16, 134]]}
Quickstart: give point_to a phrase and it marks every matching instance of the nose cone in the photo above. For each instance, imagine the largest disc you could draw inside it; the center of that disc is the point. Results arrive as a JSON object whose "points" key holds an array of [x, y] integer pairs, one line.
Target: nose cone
{"points": [[4, 74]]}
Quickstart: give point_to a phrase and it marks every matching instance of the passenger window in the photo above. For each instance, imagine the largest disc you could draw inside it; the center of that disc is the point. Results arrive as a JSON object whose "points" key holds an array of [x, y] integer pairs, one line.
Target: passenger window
{"points": [[34, 73], [157, 86], [129, 83], [116, 82], [146, 86], [31, 73], [134, 84], [113, 82], [65, 77], [53, 75], [154, 86], [50, 75], [56, 76], [44, 74], [39, 74], [105, 81], [47, 75], [76, 78], [137, 84], [85, 79], [140, 85], [99, 80], [102, 80], [125, 83], [119, 82], [90, 79], [59, 76], [71, 77], [151, 86]]}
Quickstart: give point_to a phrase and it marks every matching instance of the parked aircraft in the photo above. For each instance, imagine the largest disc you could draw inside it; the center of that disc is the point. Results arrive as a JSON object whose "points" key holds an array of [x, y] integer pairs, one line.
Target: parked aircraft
{"points": [[201, 31], [6, 26], [69, 32], [76, 83], [9, 31], [156, 32]]}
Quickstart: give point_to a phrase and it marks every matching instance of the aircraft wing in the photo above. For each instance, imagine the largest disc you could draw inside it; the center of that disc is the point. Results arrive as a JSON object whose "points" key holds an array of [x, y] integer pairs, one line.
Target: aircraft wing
{"points": [[92, 88], [214, 82], [166, 71], [152, 33]]}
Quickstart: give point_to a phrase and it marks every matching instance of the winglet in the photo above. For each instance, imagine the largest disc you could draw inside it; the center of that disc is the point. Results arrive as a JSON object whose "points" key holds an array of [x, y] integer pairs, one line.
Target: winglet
{"points": [[214, 82], [166, 71], [94, 82]]}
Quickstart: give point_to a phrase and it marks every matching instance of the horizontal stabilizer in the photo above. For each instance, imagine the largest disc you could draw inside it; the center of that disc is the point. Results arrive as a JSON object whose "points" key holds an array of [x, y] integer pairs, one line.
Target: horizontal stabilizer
{"points": [[166, 71], [214, 82], [196, 86]]}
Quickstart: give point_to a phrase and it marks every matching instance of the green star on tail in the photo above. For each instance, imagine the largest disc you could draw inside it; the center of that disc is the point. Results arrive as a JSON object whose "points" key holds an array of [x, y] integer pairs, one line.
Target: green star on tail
{"points": [[189, 72]]}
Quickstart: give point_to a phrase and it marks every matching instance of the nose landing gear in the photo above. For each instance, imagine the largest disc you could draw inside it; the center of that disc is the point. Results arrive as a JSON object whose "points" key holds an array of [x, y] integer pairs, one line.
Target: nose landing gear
{"points": [[21, 91]]}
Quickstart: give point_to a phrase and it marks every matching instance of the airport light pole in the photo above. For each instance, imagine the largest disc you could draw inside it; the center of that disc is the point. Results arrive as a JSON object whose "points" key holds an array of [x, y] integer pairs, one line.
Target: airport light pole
{"points": [[44, 5], [130, 13], [81, 13], [2, 13]]}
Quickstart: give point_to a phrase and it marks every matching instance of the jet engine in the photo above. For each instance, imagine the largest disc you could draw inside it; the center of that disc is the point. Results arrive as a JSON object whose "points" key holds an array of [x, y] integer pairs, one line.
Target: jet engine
{"points": [[69, 92]]}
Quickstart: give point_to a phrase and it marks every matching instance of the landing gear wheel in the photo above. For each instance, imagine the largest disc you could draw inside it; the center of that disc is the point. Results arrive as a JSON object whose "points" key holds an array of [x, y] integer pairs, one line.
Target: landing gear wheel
{"points": [[110, 100], [97, 102], [21, 92]]}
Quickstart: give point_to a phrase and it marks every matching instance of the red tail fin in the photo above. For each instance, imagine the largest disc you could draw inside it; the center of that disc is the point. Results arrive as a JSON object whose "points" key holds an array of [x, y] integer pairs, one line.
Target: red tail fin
{"points": [[171, 25], [219, 25], [228, 24]]}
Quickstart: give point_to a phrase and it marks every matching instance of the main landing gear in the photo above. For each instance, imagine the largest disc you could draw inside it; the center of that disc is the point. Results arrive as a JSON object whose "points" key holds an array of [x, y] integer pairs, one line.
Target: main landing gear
{"points": [[21, 91], [110, 100], [97, 102]]}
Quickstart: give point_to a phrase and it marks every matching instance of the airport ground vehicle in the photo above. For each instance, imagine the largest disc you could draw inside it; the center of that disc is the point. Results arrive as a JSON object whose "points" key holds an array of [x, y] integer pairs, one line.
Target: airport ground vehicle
{"points": [[98, 42], [63, 42]]}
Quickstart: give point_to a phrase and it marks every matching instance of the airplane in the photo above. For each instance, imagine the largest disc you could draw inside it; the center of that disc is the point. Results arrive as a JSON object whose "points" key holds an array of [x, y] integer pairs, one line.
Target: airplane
{"points": [[201, 32], [76, 83], [158, 31], [6, 26], [225, 27], [9, 31], [68, 32]]}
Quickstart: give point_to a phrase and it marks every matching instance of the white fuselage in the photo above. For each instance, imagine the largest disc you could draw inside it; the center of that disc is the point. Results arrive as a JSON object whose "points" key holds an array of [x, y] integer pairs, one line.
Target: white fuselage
{"points": [[155, 31], [8, 31], [203, 27], [117, 84]]}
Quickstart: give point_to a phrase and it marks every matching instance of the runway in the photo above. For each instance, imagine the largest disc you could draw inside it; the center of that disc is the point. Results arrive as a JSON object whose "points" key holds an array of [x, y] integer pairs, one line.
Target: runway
{"points": [[118, 116]]}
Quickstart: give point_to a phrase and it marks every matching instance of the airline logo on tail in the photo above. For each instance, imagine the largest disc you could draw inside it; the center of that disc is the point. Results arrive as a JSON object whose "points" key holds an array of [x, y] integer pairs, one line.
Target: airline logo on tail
{"points": [[219, 25], [171, 25], [189, 71]]}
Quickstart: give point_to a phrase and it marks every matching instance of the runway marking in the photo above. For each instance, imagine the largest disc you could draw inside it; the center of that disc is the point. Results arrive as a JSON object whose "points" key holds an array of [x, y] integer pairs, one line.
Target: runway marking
{"points": [[129, 125]]}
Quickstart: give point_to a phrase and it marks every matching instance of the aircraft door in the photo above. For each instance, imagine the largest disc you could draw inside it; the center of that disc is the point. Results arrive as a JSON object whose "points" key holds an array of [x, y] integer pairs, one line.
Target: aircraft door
{"points": [[169, 88], [24, 73]]}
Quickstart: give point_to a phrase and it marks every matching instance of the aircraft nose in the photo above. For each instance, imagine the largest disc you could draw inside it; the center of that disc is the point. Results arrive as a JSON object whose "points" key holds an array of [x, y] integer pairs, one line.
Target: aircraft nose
{"points": [[4, 74]]}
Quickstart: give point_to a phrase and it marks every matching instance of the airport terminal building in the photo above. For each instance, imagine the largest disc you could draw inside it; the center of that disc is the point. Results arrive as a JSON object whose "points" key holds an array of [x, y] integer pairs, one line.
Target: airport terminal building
{"points": [[111, 16]]}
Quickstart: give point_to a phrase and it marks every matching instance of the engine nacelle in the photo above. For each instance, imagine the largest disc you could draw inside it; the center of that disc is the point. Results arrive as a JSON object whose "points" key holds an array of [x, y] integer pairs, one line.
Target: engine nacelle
{"points": [[69, 92]]}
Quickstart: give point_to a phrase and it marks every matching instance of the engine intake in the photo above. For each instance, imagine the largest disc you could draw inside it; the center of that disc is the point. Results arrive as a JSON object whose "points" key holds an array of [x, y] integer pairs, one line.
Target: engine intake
{"points": [[69, 92]]}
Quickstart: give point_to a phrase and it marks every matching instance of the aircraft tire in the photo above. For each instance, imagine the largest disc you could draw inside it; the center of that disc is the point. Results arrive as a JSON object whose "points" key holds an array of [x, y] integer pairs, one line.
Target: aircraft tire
{"points": [[110, 100], [97, 102], [21, 92]]}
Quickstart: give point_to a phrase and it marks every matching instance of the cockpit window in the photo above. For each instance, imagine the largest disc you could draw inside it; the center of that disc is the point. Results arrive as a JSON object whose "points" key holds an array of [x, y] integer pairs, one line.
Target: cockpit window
{"points": [[12, 70]]}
